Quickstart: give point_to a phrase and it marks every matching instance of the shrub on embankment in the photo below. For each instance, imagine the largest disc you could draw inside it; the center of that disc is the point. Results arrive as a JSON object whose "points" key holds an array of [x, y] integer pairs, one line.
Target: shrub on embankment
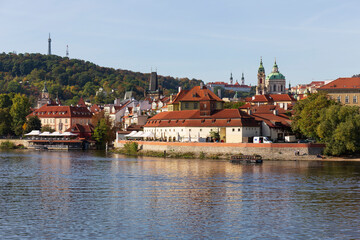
{"points": [[7, 145]]}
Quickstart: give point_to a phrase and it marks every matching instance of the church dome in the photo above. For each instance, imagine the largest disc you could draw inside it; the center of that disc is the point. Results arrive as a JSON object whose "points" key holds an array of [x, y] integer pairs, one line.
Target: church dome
{"points": [[275, 76]]}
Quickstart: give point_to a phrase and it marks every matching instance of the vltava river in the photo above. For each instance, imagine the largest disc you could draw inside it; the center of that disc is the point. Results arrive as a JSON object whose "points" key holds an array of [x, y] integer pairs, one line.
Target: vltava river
{"points": [[87, 195]]}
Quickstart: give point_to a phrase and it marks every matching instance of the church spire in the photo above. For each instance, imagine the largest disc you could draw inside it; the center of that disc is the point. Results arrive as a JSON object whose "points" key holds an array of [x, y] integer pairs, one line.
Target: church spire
{"points": [[231, 79], [261, 67], [49, 45], [242, 79], [275, 68]]}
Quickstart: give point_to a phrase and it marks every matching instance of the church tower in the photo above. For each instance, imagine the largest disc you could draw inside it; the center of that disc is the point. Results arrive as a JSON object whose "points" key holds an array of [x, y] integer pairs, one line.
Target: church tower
{"points": [[44, 98], [231, 79], [242, 79], [261, 87], [49, 45]]}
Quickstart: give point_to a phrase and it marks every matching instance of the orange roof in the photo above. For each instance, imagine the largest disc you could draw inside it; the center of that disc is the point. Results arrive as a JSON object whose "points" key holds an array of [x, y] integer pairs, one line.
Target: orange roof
{"points": [[196, 94], [271, 98], [272, 120], [192, 118], [282, 97], [343, 83], [61, 112]]}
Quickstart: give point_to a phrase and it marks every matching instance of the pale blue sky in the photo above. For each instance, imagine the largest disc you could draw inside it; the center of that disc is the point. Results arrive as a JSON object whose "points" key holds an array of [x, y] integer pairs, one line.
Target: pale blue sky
{"points": [[203, 39]]}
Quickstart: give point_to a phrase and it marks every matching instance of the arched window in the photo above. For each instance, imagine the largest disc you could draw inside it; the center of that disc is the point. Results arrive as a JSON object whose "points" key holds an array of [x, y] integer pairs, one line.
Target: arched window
{"points": [[274, 88]]}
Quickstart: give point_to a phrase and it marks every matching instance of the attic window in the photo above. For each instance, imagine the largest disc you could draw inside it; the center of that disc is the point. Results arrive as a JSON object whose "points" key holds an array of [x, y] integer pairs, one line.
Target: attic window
{"points": [[177, 121], [214, 120], [229, 120], [169, 121], [183, 121], [203, 120]]}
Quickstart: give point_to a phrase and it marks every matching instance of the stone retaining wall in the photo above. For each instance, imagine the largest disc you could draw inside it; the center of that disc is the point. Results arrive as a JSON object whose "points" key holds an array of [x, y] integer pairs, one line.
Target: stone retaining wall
{"points": [[16, 141], [266, 150]]}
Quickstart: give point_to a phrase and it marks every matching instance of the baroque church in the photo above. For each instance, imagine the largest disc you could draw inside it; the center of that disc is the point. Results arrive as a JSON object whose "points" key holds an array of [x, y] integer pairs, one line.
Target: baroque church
{"points": [[274, 83]]}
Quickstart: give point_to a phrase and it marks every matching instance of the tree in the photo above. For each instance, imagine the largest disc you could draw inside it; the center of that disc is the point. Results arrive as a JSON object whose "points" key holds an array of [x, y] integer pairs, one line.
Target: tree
{"points": [[215, 135], [339, 129], [233, 105], [5, 101], [47, 128], [33, 123], [104, 131], [5, 122], [19, 110], [307, 114]]}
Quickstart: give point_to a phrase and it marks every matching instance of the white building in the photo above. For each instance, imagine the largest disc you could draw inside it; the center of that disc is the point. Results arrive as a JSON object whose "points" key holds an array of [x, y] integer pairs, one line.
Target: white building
{"points": [[233, 125]]}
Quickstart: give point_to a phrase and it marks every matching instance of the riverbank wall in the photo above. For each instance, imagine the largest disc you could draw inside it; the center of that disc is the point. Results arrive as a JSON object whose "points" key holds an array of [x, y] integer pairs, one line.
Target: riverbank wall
{"points": [[17, 142], [266, 150]]}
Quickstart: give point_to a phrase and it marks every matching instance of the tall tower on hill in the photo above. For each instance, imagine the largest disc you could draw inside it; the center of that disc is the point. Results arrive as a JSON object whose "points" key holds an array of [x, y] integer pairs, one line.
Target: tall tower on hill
{"points": [[231, 79], [49, 45]]}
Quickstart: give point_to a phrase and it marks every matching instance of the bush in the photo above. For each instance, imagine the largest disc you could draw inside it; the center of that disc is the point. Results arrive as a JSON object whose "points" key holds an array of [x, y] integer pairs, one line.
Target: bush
{"points": [[131, 148], [202, 155], [7, 145]]}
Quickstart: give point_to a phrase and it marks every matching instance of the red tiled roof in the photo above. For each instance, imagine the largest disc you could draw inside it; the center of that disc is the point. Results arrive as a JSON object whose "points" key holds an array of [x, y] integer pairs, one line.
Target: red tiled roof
{"points": [[79, 128], [61, 112], [282, 97], [343, 83], [272, 120], [192, 118], [271, 98], [81, 102], [196, 94]]}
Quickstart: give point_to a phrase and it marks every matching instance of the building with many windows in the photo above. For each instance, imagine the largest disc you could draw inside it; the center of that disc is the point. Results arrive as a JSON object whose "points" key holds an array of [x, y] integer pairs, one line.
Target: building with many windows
{"points": [[60, 118], [344, 90], [198, 98]]}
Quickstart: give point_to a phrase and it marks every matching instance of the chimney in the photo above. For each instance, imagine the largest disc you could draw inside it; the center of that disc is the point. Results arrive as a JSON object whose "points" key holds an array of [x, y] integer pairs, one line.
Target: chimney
{"points": [[275, 112], [201, 85], [219, 93], [285, 106], [249, 112], [179, 89]]}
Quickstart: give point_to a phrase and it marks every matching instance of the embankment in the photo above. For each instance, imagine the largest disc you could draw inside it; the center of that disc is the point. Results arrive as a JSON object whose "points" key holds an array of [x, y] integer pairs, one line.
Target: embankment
{"points": [[17, 142], [281, 151]]}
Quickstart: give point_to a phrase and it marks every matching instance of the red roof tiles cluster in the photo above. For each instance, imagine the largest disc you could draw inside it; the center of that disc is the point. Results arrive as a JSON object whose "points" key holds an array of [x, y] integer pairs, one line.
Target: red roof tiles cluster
{"points": [[61, 112], [192, 118], [343, 83], [196, 94], [269, 98]]}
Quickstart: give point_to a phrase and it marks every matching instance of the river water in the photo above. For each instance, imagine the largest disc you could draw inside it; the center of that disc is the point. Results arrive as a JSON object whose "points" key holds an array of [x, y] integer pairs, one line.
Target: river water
{"points": [[90, 195]]}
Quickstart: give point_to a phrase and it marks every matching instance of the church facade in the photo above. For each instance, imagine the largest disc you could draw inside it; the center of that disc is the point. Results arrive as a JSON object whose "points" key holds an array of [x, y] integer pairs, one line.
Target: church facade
{"points": [[274, 83]]}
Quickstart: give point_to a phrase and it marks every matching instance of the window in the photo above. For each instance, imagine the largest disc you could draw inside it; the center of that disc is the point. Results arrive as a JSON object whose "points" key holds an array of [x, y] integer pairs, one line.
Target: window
{"points": [[346, 99], [195, 105], [200, 130], [238, 129], [354, 99], [186, 105], [233, 129], [339, 98]]}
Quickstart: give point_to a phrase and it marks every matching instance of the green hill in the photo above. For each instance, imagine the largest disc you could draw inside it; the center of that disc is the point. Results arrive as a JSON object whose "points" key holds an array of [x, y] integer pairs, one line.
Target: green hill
{"points": [[69, 79]]}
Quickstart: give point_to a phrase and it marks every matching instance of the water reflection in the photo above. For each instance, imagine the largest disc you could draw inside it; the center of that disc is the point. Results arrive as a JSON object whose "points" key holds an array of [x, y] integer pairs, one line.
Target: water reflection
{"points": [[92, 195]]}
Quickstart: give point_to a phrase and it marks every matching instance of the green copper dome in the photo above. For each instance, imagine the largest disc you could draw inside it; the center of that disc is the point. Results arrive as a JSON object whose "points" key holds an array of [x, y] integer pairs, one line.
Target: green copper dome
{"points": [[275, 74]]}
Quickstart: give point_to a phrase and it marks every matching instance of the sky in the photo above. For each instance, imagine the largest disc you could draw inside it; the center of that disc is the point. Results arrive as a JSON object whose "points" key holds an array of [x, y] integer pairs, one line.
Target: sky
{"points": [[203, 39]]}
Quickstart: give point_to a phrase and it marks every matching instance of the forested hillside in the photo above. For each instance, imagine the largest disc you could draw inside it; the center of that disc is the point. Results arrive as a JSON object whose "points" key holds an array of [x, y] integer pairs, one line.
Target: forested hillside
{"points": [[69, 79]]}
